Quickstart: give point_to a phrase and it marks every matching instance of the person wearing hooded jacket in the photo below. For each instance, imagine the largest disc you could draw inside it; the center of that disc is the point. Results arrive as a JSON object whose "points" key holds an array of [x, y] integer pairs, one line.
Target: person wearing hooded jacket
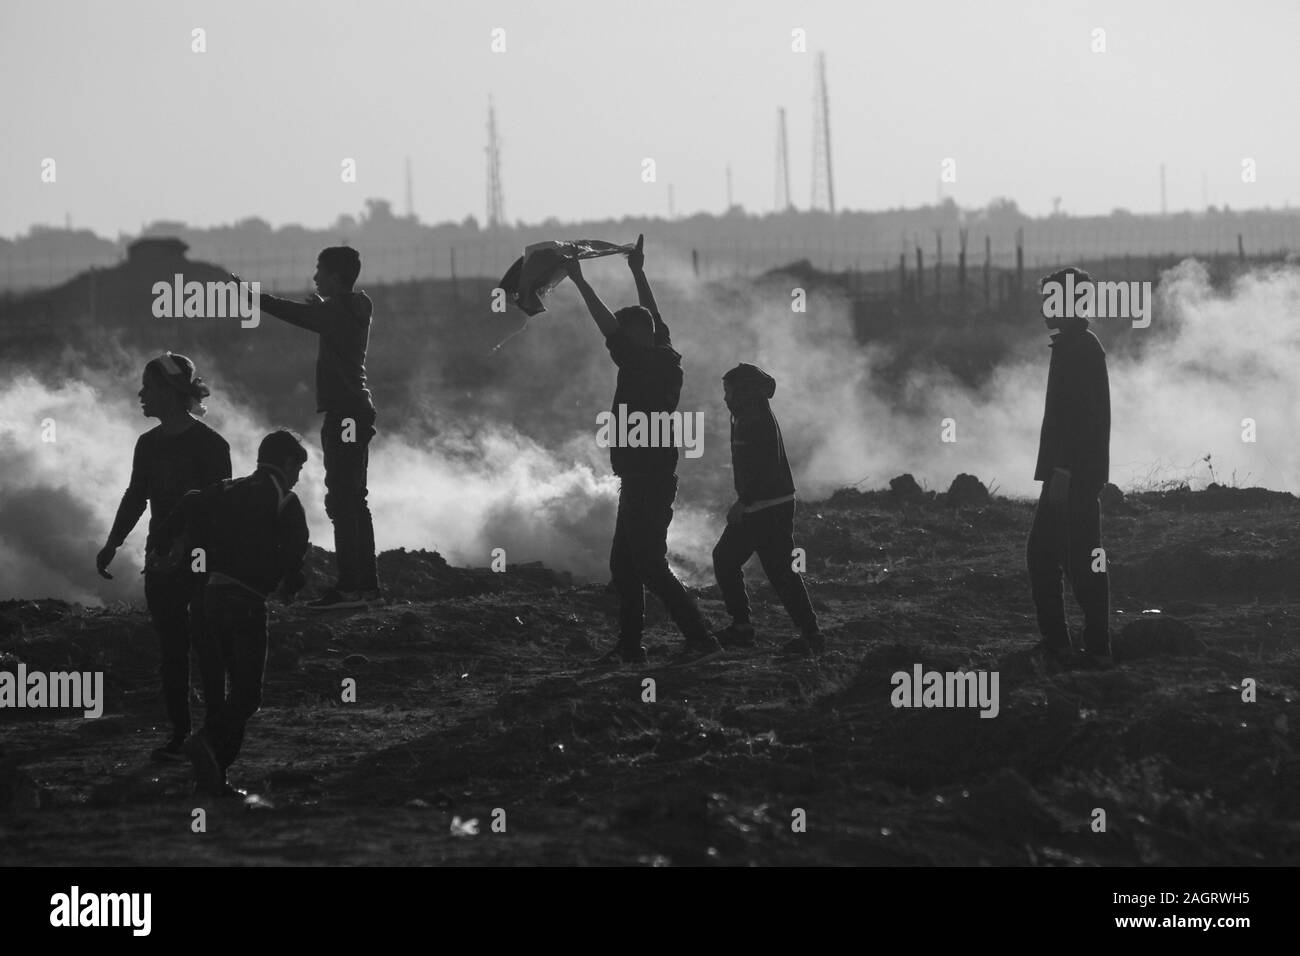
{"points": [[341, 318], [762, 519]]}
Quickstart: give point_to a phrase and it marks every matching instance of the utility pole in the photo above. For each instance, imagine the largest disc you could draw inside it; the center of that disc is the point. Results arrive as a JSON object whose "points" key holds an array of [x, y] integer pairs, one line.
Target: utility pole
{"points": [[783, 203], [823, 190], [496, 204]]}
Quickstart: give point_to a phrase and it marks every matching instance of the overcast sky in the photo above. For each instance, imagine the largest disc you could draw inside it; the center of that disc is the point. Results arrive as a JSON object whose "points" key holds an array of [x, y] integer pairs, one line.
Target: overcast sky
{"points": [[142, 128]]}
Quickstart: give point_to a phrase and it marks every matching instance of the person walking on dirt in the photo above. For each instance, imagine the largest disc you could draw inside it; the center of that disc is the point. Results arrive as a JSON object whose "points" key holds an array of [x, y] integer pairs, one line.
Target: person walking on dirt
{"points": [[253, 535], [762, 519]]}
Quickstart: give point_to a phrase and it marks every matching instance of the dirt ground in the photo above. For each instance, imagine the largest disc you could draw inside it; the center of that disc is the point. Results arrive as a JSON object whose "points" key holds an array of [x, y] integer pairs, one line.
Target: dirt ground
{"points": [[476, 701]]}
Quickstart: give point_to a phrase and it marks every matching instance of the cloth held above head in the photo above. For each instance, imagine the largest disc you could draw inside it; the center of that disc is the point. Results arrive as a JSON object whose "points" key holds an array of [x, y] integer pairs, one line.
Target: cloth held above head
{"points": [[541, 268]]}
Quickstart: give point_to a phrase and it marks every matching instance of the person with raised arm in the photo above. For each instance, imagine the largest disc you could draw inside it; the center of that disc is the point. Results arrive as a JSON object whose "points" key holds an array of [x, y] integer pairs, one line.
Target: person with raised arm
{"points": [[649, 380]]}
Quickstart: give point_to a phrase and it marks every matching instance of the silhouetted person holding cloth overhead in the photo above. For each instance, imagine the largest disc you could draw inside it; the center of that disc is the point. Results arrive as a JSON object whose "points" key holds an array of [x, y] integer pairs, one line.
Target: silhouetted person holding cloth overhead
{"points": [[649, 380]]}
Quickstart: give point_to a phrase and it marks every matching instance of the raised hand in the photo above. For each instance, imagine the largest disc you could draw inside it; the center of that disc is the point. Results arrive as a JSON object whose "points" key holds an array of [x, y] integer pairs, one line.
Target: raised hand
{"points": [[636, 258]]}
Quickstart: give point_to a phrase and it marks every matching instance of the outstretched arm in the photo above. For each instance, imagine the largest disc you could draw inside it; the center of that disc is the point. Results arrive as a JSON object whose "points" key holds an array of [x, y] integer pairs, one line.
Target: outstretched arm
{"points": [[605, 320], [303, 315]]}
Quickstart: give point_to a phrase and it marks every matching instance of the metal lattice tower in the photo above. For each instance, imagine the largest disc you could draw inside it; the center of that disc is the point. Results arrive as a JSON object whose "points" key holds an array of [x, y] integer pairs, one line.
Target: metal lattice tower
{"points": [[783, 202], [823, 184], [496, 204]]}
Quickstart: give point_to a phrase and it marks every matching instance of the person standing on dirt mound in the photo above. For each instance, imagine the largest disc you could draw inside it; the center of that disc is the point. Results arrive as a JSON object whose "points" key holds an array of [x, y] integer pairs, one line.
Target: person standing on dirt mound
{"points": [[341, 320], [649, 380], [253, 533], [1073, 465], [762, 519], [180, 454]]}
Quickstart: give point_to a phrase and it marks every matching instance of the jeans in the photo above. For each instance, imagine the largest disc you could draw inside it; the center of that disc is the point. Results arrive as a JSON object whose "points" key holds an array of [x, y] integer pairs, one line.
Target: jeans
{"points": [[234, 646], [1061, 542], [770, 532], [639, 558], [175, 603], [345, 498]]}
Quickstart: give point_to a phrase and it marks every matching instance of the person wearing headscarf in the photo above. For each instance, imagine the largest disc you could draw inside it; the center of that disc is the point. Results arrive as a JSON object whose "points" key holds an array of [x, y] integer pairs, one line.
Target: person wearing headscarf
{"points": [[179, 454]]}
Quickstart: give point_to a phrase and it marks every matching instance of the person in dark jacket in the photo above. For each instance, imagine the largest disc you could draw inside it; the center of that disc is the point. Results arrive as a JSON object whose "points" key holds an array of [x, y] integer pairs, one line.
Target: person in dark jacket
{"points": [[178, 455], [251, 533], [1073, 465], [649, 380], [341, 319], [762, 519]]}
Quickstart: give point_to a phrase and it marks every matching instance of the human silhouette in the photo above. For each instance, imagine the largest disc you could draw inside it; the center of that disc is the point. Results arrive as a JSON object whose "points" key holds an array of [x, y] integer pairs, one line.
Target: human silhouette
{"points": [[762, 519], [178, 455], [341, 319], [253, 534], [649, 380], [1073, 465]]}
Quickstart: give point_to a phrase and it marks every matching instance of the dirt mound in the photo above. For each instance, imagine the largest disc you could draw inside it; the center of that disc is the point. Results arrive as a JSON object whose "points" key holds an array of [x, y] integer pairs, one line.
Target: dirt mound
{"points": [[1113, 501], [1200, 569], [426, 575], [1219, 498], [1155, 635], [905, 488], [16, 617], [967, 490]]}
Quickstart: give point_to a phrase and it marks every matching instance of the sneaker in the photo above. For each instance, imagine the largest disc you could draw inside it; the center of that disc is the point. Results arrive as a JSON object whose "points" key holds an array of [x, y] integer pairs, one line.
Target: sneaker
{"points": [[207, 771], [171, 752], [698, 650], [334, 599], [227, 790], [732, 636], [623, 654]]}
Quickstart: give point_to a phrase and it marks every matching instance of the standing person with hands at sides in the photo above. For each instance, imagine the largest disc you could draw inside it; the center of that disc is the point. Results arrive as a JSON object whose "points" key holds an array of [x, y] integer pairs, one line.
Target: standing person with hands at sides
{"points": [[179, 455], [341, 320], [1073, 465], [649, 380]]}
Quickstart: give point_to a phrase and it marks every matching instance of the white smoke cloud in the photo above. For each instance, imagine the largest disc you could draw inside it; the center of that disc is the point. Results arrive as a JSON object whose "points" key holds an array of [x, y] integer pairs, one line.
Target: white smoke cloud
{"points": [[470, 490], [1214, 358], [1221, 356]]}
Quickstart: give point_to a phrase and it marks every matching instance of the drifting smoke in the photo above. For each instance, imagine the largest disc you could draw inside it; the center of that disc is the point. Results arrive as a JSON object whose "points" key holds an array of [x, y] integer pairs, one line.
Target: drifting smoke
{"points": [[65, 459], [1214, 358]]}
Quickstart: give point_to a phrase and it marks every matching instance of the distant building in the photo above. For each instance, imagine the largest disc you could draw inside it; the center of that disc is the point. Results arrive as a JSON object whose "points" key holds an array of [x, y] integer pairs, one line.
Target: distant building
{"points": [[117, 297]]}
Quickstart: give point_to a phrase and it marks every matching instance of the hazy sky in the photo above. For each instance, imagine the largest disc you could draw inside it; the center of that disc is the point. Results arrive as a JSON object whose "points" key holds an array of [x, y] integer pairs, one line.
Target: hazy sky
{"points": [[142, 128]]}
